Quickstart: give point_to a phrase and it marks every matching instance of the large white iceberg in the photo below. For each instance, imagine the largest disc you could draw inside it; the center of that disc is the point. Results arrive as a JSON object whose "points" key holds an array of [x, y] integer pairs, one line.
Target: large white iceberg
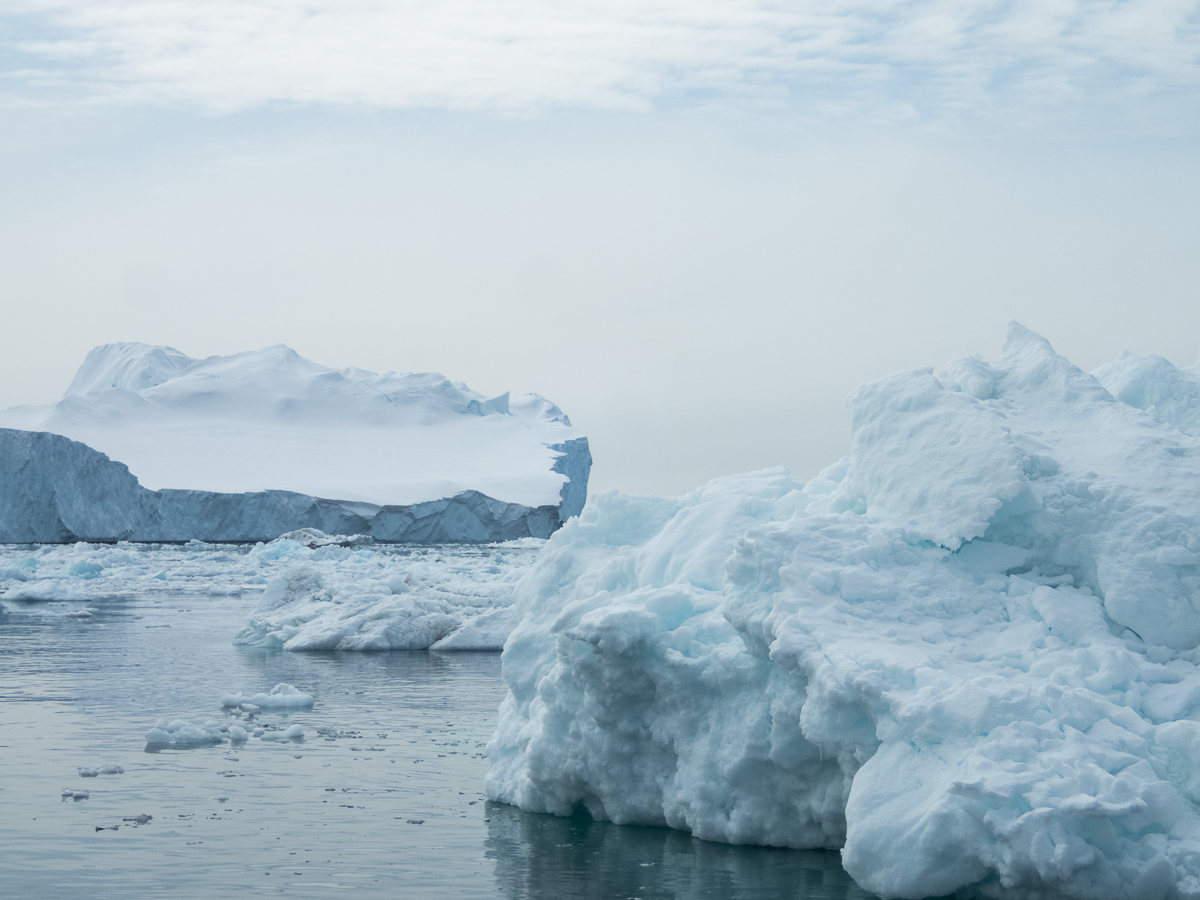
{"points": [[966, 655], [249, 446]]}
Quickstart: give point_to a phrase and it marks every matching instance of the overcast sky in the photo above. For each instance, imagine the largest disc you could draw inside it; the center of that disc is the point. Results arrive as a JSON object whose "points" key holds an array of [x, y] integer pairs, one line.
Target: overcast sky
{"points": [[695, 225]]}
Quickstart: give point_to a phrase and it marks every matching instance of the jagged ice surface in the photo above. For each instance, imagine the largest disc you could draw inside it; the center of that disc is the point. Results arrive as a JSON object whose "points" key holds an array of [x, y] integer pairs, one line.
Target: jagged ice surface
{"points": [[966, 654], [334, 599]]}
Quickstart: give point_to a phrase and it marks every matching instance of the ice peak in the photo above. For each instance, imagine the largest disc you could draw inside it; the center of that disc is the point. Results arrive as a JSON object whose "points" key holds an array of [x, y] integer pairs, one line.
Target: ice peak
{"points": [[1021, 338], [128, 366]]}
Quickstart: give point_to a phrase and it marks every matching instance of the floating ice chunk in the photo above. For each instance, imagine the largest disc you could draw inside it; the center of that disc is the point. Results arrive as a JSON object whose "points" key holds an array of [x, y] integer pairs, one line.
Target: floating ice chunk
{"points": [[238, 735], [100, 770], [282, 696], [181, 733], [291, 733], [76, 795], [313, 538]]}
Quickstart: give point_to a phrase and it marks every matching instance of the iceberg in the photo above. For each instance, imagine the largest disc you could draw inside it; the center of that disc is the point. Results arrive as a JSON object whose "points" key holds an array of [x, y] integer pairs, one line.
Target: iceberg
{"points": [[251, 446], [968, 654]]}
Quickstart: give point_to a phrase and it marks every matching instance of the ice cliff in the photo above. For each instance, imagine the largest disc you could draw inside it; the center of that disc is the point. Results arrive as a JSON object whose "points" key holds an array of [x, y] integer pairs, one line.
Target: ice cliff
{"points": [[967, 654], [250, 446], [53, 489]]}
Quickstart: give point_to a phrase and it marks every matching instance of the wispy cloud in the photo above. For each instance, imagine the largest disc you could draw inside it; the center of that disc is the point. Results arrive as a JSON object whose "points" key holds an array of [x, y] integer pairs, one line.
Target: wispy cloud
{"points": [[925, 57]]}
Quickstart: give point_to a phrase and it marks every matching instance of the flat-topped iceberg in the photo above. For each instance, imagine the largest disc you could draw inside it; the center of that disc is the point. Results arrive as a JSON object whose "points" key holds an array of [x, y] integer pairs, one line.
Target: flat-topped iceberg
{"points": [[967, 654], [151, 445]]}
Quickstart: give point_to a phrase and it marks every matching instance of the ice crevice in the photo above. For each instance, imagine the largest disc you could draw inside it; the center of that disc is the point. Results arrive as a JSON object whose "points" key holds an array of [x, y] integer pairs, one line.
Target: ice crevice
{"points": [[966, 655]]}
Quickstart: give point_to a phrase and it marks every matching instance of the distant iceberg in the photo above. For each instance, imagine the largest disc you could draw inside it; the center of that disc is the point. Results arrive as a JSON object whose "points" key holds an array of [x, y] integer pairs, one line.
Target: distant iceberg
{"points": [[247, 447], [967, 655]]}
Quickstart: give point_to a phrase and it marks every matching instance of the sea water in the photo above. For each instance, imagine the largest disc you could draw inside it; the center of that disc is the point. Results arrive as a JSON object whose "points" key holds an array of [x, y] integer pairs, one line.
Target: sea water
{"points": [[385, 800]]}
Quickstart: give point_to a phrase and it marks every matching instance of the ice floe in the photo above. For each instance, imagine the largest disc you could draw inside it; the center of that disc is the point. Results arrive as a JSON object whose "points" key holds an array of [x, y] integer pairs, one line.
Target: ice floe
{"points": [[967, 655], [282, 696]]}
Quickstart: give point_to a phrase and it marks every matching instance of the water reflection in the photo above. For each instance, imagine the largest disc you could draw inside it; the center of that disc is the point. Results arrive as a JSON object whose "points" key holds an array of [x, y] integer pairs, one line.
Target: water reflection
{"points": [[578, 857]]}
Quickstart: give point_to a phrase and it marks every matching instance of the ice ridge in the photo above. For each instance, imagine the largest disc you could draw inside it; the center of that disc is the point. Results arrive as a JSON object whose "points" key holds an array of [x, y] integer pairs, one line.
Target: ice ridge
{"points": [[967, 654]]}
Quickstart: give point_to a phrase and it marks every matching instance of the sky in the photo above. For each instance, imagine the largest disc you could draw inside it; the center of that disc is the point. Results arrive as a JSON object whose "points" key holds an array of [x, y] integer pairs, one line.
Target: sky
{"points": [[696, 226]]}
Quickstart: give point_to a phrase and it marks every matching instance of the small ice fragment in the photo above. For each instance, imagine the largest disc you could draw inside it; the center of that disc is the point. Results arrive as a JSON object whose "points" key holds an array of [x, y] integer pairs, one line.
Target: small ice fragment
{"points": [[107, 827], [222, 799], [75, 795], [238, 735], [291, 733], [415, 821], [85, 772], [138, 820]]}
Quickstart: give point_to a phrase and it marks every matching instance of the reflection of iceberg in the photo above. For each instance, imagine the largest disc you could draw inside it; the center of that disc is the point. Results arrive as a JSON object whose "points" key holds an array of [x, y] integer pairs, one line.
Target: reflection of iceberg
{"points": [[581, 858], [969, 655]]}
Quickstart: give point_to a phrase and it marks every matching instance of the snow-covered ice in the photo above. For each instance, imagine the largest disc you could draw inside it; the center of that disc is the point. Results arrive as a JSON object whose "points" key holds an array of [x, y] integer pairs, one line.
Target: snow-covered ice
{"points": [[967, 654], [338, 593], [271, 420]]}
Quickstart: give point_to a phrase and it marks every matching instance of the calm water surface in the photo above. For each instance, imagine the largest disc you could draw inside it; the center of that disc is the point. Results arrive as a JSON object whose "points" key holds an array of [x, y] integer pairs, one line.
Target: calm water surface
{"points": [[391, 806]]}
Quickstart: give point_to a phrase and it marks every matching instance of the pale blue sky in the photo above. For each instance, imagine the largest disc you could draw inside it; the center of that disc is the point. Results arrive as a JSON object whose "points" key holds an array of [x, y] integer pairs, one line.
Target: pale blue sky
{"points": [[696, 226]]}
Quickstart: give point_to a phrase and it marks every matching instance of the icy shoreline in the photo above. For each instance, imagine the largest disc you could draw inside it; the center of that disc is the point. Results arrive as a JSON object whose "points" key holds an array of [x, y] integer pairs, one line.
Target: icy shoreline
{"points": [[966, 655]]}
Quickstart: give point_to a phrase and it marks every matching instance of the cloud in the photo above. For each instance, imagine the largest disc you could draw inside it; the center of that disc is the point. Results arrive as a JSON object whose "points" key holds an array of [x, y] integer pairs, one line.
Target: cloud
{"points": [[931, 57]]}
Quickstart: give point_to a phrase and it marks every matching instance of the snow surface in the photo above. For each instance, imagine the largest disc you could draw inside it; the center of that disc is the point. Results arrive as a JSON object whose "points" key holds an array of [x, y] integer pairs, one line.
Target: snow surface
{"points": [[337, 594], [966, 655], [271, 420]]}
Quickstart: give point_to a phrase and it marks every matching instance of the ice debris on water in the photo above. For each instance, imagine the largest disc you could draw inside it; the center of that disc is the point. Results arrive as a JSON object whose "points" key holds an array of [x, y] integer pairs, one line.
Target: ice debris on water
{"points": [[76, 795], [968, 654], [92, 772], [282, 696], [360, 597], [138, 820]]}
